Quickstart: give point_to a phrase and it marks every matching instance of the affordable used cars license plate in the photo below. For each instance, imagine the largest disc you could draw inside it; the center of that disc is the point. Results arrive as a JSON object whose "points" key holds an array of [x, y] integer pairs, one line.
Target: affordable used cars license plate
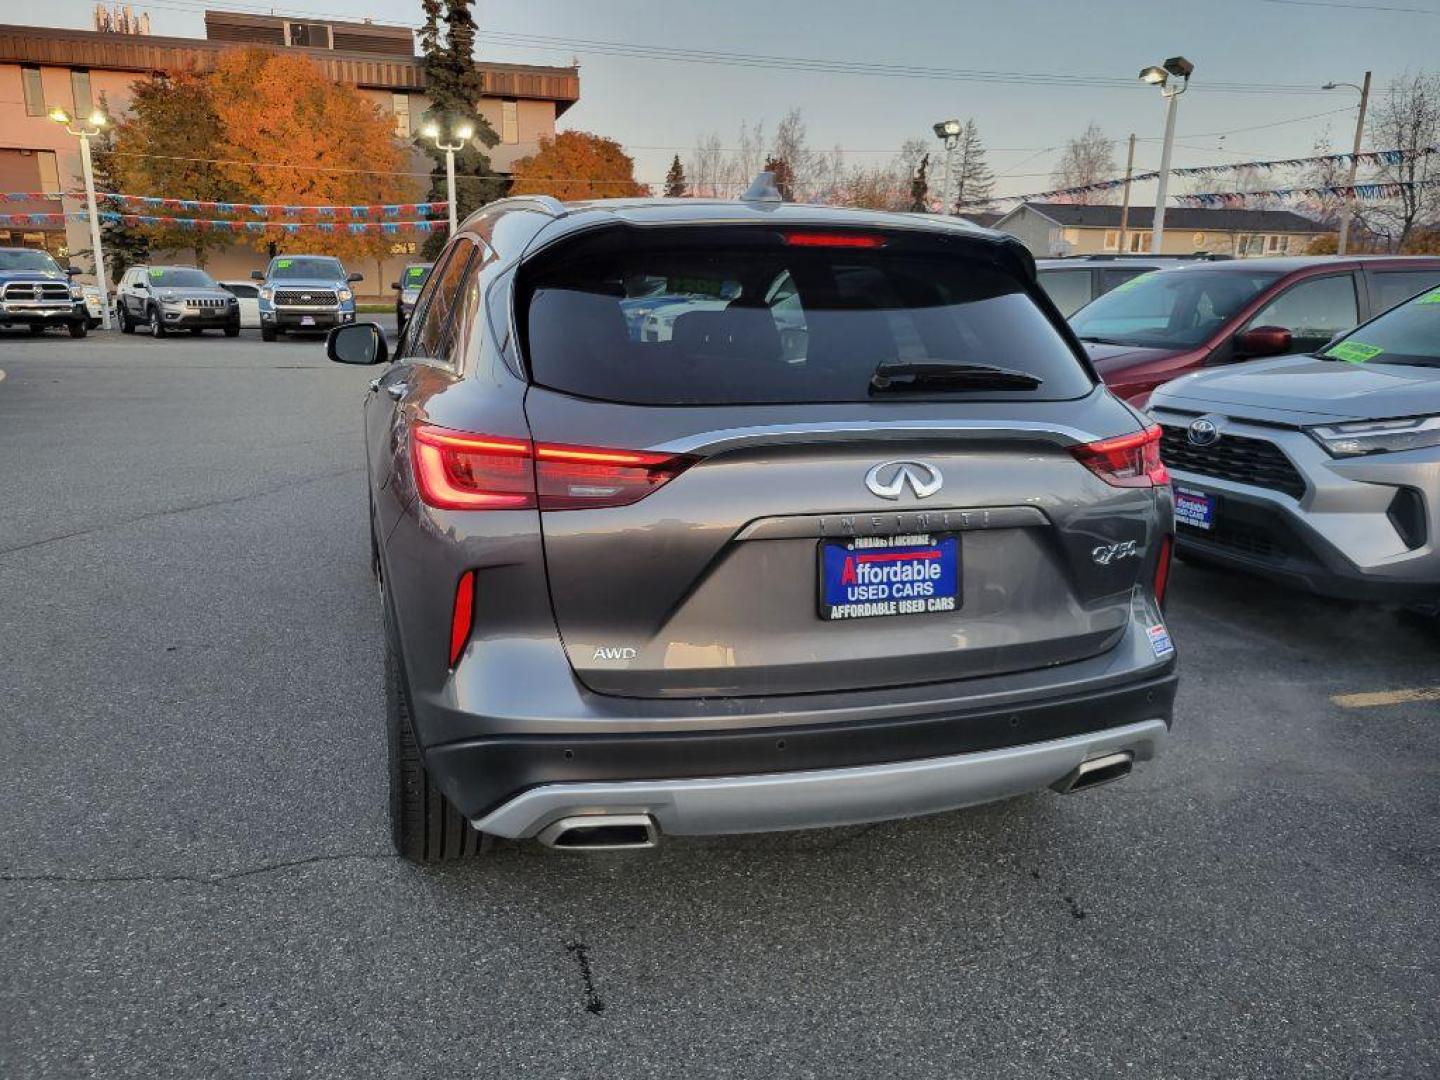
{"points": [[865, 577], [307, 320], [1194, 508]]}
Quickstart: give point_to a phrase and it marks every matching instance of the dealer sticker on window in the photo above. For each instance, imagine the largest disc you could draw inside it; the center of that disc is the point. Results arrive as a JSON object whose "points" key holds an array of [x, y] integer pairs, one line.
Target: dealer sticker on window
{"points": [[1160, 640], [1356, 352]]}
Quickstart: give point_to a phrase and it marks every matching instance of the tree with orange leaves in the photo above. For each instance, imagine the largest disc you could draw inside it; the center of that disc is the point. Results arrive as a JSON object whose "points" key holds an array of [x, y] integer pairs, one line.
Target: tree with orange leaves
{"points": [[306, 140], [577, 165]]}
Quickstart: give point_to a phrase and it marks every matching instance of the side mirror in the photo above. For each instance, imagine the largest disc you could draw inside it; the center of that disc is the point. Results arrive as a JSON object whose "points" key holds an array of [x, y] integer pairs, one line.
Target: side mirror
{"points": [[1262, 341], [257, 275], [357, 343], [71, 271], [356, 277], [395, 285]]}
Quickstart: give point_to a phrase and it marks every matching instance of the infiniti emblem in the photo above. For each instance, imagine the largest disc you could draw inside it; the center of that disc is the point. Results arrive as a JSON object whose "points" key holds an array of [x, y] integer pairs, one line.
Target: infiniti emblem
{"points": [[888, 479], [1202, 432]]}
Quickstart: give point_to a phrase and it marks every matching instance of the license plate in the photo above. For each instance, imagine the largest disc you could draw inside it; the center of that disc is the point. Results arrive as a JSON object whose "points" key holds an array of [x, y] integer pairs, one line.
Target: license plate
{"points": [[307, 320], [866, 577], [1194, 508]]}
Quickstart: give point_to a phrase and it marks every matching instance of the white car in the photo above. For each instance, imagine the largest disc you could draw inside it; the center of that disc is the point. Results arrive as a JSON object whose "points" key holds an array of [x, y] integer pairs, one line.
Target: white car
{"points": [[92, 304], [248, 294]]}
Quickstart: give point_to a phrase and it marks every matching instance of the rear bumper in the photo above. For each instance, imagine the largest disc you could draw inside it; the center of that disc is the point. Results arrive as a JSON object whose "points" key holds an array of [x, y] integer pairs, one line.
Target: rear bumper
{"points": [[800, 776]]}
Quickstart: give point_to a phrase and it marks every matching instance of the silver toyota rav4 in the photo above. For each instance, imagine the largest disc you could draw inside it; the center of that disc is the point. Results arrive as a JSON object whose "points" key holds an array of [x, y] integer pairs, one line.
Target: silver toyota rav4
{"points": [[1323, 470], [867, 539]]}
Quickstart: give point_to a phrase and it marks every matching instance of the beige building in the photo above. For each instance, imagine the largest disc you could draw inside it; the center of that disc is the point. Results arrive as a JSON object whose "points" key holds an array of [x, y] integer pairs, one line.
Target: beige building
{"points": [[1050, 229], [42, 67]]}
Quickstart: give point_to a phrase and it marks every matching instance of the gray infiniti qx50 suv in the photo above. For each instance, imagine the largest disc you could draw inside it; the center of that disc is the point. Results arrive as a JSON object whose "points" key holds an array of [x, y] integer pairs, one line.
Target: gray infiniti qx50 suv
{"points": [[860, 536]]}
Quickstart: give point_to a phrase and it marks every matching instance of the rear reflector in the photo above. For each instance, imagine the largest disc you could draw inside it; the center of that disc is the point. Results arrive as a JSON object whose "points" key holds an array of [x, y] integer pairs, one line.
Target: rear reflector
{"points": [[832, 240], [1126, 461], [456, 470], [1162, 569], [463, 615]]}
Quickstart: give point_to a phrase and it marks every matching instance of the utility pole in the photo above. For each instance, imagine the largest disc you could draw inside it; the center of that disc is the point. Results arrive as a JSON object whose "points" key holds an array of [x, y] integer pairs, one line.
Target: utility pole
{"points": [[1347, 212], [1125, 202]]}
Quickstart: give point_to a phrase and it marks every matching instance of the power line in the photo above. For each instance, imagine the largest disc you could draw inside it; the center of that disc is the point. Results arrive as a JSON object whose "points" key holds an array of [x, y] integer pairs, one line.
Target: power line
{"points": [[1354, 7]]}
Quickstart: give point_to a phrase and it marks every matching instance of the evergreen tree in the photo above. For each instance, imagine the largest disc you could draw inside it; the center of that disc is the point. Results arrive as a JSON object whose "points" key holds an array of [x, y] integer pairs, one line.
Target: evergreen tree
{"points": [[454, 84], [676, 186], [920, 187], [973, 180]]}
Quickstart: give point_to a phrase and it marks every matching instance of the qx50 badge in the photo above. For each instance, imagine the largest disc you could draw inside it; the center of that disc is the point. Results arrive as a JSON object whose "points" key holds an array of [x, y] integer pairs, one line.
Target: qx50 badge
{"points": [[889, 479], [1105, 554]]}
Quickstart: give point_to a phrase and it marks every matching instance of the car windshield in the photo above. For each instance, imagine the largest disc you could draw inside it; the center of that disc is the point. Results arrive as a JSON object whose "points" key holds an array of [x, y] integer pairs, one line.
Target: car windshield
{"points": [[180, 277], [1408, 334], [302, 266], [415, 276], [11, 261], [1174, 309], [706, 325]]}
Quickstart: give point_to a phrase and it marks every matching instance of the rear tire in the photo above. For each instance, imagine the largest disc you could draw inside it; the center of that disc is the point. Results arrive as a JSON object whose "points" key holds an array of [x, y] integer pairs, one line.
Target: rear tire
{"points": [[424, 826], [79, 329], [267, 333]]}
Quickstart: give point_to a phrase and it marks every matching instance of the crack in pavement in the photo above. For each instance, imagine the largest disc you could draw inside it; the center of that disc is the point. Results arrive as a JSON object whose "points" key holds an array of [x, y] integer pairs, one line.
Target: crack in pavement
{"points": [[581, 952], [191, 879], [110, 525]]}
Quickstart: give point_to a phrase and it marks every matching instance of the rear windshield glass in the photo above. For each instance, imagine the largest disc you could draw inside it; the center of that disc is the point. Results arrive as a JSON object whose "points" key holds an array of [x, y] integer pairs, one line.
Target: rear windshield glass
{"points": [[301, 266], [1408, 334], [180, 277], [1169, 308], [704, 326]]}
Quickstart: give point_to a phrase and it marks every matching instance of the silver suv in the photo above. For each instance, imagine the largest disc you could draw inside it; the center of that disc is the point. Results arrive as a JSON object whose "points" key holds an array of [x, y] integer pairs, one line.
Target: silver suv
{"points": [[869, 539]]}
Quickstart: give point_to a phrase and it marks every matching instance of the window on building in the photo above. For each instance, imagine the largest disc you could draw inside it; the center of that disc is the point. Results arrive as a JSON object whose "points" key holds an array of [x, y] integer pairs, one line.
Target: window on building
{"points": [[1139, 241], [49, 170], [308, 35], [510, 121], [80, 92], [1277, 245], [1112, 239], [34, 90], [401, 104]]}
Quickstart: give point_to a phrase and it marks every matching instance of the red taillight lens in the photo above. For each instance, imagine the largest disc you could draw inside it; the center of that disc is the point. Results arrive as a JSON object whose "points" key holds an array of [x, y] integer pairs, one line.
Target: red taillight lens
{"points": [[456, 470], [1162, 569], [1126, 461], [574, 477], [832, 240], [463, 615]]}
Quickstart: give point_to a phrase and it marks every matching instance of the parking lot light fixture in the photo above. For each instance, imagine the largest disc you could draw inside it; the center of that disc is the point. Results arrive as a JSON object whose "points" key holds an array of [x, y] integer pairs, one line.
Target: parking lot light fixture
{"points": [[1173, 79], [463, 134], [94, 124], [1347, 208], [949, 131]]}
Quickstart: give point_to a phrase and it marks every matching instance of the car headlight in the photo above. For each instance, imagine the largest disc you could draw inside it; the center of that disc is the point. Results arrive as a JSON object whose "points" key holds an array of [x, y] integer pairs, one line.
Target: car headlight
{"points": [[345, 294], [168, 297], [266, 292], [1377, 436]]}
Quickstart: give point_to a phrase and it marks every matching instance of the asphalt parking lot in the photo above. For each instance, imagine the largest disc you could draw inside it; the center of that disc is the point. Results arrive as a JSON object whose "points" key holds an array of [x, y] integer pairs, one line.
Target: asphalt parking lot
{"points": [[196, 878]]}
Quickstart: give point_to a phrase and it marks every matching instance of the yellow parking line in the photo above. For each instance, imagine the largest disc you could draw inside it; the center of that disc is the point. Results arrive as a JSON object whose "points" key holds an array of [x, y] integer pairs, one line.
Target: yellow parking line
{"points": [[1385, 697]]}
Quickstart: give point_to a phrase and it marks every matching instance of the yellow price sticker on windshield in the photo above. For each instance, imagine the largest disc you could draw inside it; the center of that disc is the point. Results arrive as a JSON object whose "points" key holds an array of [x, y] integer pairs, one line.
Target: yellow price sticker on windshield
{"points": [[1431, 297], [1355, 352], [1125, 286], [283, 264]]}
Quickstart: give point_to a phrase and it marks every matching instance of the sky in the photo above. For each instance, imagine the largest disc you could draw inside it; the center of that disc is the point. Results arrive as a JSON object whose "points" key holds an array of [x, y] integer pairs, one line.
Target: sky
{"points": [[1242, 50]]}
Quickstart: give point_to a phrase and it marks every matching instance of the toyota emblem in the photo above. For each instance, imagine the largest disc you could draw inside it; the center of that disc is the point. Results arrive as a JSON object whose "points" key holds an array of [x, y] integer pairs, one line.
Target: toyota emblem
{"points": [[890, 478], [1202, 432], [305, 296]]}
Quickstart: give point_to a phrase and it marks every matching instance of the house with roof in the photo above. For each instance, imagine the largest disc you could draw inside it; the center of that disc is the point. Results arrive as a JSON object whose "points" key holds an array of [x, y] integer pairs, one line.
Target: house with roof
{"points": [[1050, 229]]}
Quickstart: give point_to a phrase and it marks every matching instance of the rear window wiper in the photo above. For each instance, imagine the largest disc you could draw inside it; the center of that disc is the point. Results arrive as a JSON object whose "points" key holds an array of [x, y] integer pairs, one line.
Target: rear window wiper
{"points": [[902, 378]]}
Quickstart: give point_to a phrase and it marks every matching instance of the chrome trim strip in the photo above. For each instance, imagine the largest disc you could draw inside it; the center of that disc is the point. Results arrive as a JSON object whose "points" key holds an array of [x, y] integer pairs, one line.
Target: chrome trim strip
{"points": [[867, 429], [823, 797]]}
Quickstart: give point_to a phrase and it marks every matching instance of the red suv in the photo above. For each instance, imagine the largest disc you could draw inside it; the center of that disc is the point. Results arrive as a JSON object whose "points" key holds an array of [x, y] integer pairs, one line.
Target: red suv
{"points": [[1168, 323]]}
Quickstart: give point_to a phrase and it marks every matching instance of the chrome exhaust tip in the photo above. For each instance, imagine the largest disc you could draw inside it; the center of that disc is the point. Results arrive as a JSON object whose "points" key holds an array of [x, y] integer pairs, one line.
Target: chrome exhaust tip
{"points": [[1096, 771], [601, 832]]}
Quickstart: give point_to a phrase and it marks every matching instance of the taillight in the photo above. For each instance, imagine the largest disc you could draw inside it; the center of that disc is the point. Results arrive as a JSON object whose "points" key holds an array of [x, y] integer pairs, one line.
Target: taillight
{"points": [[456, 470], [1127, 460], [1162, 569], [462, 615], [832, 240]]}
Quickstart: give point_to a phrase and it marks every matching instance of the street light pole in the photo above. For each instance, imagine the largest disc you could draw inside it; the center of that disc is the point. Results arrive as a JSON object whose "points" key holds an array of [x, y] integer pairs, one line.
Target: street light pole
{"points": [[949, 130], [1347, 210], [96, 123], [463, 135], [1160, 76]]}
